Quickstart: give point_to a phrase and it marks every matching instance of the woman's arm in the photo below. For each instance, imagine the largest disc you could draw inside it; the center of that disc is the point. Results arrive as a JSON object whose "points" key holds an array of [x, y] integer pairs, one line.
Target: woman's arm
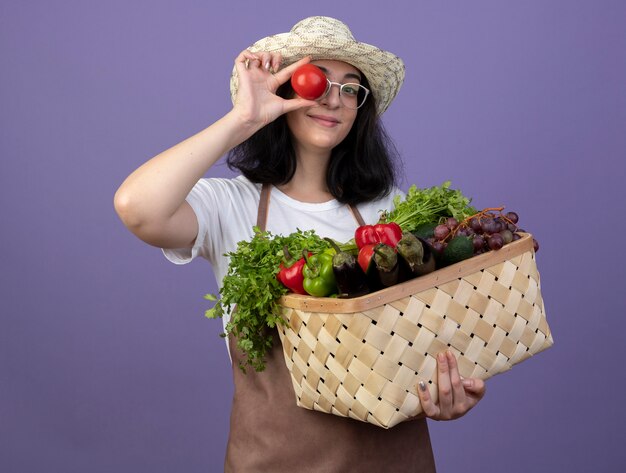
{"points": [[151, 201]]}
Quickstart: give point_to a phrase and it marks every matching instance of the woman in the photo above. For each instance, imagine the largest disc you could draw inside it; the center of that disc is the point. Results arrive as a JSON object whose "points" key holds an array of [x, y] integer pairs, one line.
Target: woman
{"points": [[323, 165]]}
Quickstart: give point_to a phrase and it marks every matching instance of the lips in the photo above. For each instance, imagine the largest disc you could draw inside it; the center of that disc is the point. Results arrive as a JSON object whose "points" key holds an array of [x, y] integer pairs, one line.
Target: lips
{"points": [[325, 120]]}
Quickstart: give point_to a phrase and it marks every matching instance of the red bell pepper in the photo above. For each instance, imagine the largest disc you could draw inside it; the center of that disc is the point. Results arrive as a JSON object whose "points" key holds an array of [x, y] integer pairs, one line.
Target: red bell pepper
{"points": [[290, 273], [387, 233]]}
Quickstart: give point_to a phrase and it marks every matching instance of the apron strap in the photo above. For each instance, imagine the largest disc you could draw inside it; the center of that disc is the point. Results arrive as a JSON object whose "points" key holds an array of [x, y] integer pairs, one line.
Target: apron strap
{"points": [[357, 215], [264, 204]]}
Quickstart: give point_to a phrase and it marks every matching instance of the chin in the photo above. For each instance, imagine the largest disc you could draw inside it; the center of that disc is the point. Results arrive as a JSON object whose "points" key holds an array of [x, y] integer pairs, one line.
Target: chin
{"points": [[325, 142]]}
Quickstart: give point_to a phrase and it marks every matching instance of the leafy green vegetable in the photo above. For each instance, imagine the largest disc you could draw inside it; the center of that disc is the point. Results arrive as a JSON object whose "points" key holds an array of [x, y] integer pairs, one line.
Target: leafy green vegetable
{"points": [[428, 205], [251, 285]]}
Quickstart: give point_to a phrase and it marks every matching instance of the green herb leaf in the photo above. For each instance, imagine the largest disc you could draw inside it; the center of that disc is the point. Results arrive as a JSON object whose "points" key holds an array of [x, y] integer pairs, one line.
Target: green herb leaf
{"points": [[251, 285], [428, 205]]}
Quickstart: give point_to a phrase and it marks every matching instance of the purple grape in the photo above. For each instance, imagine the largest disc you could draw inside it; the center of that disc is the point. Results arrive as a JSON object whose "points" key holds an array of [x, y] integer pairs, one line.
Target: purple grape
{"points": [[475, 224], [441, 231], [495, 241], [478, 242], [512, 216], [452, 223], [516, 236], [535, 245], [438, 247], [488, 225], [507, 236]]}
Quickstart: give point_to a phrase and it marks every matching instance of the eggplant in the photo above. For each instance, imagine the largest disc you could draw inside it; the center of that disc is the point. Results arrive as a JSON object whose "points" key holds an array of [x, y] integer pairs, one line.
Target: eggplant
{"points": [[415, 255], [350, 278], [384, 270]]}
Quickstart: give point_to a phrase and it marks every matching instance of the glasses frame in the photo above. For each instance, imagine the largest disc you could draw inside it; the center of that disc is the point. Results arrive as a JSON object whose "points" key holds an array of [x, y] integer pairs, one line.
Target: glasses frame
{"points": [[330, 84]]}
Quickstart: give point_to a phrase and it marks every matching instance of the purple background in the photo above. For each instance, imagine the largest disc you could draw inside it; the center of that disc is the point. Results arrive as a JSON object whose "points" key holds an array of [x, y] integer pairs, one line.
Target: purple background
{"points": [[106, 360]]}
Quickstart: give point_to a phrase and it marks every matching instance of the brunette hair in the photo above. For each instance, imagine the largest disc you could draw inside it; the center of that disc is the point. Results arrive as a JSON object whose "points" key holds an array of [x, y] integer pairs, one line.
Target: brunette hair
{"points": [[363, 167]]}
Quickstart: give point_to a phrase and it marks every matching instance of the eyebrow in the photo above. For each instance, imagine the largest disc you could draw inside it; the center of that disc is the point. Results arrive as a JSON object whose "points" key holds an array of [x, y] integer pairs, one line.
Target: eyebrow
{"points": [[349, 75]]}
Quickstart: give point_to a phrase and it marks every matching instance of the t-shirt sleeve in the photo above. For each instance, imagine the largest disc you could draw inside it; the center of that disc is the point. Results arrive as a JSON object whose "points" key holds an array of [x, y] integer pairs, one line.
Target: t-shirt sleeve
{"points": [[204, 199]]}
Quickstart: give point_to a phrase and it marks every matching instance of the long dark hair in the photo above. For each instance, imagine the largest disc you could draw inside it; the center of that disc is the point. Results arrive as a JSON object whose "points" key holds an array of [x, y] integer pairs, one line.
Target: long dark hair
{"points": [[362, 167]]}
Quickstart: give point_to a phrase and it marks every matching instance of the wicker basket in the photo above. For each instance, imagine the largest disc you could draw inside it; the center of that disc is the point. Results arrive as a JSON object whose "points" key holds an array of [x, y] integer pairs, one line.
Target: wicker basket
{"points": [[363, 357]]}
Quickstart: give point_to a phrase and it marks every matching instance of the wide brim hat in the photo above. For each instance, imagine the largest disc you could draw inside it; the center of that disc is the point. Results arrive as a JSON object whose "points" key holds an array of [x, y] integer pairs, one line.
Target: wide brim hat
{"points": [[322, 37]]}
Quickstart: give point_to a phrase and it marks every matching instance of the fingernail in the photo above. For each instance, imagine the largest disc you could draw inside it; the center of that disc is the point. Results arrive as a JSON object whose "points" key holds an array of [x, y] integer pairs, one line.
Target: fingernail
{"points": [[441, 357], [468, 383], [267, 65], [422, 386]]}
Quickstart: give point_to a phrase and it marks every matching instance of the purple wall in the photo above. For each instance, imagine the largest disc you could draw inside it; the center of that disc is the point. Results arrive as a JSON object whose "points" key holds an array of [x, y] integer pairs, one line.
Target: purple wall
{"points": [[106, 361]]}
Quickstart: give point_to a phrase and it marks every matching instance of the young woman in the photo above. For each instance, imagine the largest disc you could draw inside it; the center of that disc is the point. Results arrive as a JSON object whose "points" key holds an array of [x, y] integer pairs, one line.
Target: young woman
{"points": [[304, 165]]}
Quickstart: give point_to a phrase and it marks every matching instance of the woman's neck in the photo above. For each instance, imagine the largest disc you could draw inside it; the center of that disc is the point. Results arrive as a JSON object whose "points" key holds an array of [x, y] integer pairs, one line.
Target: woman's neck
{"points": [[308, 183]]}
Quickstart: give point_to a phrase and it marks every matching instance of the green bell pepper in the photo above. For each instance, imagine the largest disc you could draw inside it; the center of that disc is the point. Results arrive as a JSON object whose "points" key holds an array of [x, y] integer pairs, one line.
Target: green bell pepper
{"points": [[319, 278]]}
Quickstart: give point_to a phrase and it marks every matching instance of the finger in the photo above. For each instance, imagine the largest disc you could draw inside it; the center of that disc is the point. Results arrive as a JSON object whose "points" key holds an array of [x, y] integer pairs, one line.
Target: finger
{"points": [[245, 56], [428, 406], [277, 60], [243, 60], [268, 60], [475, 387], [297, 103], [254, 63], [458, 393], [265, 59], [444, 384], [283, 75]]}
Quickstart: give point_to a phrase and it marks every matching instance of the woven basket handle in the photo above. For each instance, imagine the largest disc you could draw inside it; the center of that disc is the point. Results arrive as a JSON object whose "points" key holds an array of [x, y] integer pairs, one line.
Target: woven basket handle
{"points": [[264, 203]]}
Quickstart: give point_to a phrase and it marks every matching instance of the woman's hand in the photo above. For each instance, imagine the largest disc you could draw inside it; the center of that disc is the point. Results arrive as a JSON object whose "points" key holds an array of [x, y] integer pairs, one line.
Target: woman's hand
{"points": [[257, 103], [456, 395]]}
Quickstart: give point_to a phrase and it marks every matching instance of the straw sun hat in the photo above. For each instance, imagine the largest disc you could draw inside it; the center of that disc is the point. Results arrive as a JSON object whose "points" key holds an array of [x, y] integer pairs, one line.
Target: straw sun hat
{"points": [[321, 37]]}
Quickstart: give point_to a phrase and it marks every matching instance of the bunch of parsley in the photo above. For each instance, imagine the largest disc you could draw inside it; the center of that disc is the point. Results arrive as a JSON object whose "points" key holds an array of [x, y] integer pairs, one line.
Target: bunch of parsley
{"points": [[252, 287], [429, 205]]}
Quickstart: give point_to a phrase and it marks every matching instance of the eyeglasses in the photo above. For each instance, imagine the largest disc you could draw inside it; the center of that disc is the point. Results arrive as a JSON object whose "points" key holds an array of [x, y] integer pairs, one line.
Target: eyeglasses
{"points": [[351, 95]]}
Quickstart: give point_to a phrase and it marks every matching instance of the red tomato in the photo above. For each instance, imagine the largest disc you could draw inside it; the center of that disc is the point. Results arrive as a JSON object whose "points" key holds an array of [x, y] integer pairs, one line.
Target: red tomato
{"points": [[309, 82]]}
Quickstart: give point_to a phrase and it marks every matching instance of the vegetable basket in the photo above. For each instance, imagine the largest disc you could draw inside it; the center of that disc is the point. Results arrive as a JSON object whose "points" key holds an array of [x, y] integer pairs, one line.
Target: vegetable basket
{"points": [[364, 357]]}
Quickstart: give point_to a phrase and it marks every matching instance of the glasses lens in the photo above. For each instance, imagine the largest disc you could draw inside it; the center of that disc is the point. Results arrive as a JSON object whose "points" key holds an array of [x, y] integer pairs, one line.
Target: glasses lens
{"points": [[353, 95]]}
